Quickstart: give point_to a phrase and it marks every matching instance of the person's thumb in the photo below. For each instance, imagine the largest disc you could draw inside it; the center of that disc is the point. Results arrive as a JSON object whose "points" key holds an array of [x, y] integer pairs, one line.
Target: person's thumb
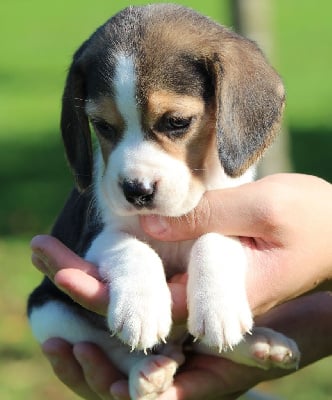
{"points": [[224, 211]]}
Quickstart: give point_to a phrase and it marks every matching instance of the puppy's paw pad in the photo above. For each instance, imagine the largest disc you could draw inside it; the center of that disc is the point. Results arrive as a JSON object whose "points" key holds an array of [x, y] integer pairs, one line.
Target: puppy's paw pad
{"points": [[151, 377], [273, 349]]}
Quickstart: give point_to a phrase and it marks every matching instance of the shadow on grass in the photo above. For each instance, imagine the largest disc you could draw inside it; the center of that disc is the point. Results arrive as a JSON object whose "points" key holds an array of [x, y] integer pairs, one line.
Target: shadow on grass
{"points": [[36, 180]]}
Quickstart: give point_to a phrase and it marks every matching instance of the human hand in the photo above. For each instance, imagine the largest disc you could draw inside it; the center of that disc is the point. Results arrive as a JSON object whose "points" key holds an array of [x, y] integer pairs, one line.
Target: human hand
{"points": [[285, 224], [306, 320], [85, 369], [88, 372]]}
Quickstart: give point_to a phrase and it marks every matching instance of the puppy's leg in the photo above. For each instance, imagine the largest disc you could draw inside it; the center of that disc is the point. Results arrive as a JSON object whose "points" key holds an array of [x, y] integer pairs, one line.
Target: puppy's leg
{"points": [[56, 319], [264, 348], [219, 312], [140, 301]]}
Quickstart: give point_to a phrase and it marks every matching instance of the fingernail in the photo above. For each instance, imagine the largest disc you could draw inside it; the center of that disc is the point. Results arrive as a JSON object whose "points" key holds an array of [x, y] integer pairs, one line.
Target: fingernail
{"points": [[155, 225], [42, 262], [115, 396], [119, 390], [54, 360], [39, 263]]}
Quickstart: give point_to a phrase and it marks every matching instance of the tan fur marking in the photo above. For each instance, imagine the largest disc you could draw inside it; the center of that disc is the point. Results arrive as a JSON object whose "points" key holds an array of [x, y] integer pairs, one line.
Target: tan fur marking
{"points": [[163, 101], [199, 142], [105, 109]]}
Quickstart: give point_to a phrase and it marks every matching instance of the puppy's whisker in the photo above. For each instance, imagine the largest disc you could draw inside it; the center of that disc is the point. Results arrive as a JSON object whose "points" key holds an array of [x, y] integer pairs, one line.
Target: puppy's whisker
{"points": [[92, 210]]}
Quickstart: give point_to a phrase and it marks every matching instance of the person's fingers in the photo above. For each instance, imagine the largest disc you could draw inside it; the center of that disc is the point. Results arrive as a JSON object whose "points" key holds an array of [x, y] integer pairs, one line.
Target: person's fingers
{"points": [[211, 378], [231, 212], [72, 274], [98, 371], [306, 320], [83, 289], [50, 255], [256, 209], [67, 369], [179, 301], [183, 388], [120, 390], [189, 226], [93, 295]]}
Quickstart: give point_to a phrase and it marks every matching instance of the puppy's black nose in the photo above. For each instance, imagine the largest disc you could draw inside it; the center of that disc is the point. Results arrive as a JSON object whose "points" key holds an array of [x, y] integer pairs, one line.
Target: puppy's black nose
{"points": [[137, 193]]}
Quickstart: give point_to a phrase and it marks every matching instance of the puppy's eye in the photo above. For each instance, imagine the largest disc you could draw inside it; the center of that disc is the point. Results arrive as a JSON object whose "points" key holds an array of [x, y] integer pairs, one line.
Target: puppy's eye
{"points": [[104, 128], [174, 126], [177, 123]]}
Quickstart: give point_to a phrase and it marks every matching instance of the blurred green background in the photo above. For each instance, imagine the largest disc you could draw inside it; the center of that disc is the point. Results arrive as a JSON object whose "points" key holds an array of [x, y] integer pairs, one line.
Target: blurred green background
{"points": [[37, 42]]}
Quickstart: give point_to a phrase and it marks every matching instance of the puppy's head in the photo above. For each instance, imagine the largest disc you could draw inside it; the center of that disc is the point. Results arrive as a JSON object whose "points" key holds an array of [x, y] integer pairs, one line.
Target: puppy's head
{"points": [[176, 101]]}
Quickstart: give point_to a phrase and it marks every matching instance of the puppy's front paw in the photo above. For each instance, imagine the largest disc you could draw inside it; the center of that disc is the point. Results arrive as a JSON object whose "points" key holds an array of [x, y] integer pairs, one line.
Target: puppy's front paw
{"points": [[219, 312], [151, 376], [218, 323], [140, 312]]}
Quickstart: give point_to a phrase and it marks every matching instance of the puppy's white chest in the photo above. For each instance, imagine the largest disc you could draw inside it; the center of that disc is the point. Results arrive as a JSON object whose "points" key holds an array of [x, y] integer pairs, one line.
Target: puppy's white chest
{"points": [[175, 255]]}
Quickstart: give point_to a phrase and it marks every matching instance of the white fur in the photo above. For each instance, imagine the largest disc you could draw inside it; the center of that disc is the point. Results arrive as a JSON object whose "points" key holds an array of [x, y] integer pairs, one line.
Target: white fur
{"points": [[54, 319], [125, 93], [140, 301], [219, 312]]}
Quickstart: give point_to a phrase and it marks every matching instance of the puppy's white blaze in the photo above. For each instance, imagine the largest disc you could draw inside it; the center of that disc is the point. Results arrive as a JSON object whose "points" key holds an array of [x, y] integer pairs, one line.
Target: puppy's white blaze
{"points": [[125, 91]]}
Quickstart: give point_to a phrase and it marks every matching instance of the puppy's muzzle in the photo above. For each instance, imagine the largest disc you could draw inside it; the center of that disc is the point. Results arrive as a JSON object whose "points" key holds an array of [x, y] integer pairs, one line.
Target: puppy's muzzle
{"points": [[139, 194]]}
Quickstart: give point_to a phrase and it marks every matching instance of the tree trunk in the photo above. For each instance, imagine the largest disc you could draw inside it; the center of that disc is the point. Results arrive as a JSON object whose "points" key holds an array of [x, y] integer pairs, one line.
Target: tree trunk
{"points": [[254, 20]]}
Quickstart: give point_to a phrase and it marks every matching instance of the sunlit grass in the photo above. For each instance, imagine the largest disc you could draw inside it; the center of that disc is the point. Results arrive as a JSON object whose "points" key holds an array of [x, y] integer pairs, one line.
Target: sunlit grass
{"points": [[24, 373]]}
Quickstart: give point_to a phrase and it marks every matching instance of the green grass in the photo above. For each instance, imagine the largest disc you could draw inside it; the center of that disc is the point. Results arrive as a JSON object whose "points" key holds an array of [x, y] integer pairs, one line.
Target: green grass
{"points": [[24, 374], [38, 39], [303, 37]]}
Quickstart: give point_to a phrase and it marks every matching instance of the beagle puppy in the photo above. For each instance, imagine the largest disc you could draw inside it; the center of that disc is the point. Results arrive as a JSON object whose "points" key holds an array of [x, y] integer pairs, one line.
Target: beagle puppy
{"points": [[179, 105]]}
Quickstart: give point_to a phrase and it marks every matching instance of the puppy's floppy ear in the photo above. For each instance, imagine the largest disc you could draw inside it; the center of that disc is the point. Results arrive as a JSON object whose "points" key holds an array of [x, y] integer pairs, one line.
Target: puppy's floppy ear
{"points": [[249, 100], [75, 127]]}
